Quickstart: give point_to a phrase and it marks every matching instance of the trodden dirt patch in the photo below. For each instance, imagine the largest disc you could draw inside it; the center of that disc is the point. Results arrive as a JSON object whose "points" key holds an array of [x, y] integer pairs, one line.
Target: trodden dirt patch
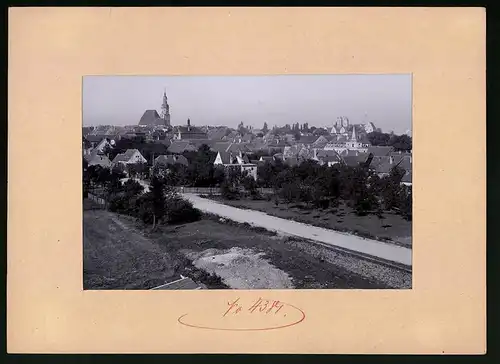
{"points": [[241, 268]]}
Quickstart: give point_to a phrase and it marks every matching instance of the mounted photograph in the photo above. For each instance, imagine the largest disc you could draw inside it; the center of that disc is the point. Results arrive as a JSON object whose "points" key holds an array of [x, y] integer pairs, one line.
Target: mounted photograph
{"points": [[247, 182]]}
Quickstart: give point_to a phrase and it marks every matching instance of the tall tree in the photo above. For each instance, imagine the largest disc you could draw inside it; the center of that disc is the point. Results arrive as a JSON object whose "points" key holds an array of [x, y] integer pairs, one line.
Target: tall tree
{"points": [[158, 199]]}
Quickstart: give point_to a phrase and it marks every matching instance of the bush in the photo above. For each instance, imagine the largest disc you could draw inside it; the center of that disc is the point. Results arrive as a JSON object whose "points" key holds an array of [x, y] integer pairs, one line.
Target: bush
{"points": [[180, 211], [145, 209], [228, 192], [118, 203]]}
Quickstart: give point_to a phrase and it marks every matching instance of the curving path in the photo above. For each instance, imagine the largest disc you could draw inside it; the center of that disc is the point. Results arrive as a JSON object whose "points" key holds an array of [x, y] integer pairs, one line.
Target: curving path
{"points": [[374, 248]]}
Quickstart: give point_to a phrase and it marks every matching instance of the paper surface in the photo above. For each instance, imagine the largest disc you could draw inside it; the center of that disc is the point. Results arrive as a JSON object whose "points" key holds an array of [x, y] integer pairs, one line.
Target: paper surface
{"points": [[51, 49]]}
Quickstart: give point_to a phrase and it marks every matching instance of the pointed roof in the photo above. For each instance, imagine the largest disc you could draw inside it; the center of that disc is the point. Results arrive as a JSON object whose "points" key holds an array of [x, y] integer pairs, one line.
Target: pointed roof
{"points": [[125, 157], [228, 157], [353, 138], [151, 117]]}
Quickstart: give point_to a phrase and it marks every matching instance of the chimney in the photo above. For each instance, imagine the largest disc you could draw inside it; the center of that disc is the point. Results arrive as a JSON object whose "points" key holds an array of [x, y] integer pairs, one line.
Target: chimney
{"points": [[315, 156], [189, 125], [391, 160]]}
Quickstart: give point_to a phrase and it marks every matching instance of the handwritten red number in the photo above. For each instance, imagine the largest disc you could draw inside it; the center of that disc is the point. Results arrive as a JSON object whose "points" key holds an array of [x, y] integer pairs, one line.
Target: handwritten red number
{"points": [[263, 308], [276, 304], [255, 305]]}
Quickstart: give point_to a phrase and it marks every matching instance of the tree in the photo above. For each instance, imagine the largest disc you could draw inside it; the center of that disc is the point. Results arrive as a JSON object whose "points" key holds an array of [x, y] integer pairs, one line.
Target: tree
{"points": [[218, 175], [232, 181], [401, 143], [377, 138], [296, 136], [390, 188], [290, 191], [158, 199], [250, 186]]}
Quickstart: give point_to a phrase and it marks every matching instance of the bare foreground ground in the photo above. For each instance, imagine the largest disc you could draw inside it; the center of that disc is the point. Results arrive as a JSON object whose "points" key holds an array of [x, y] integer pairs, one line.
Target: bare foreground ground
{"points": [[121, 253]]}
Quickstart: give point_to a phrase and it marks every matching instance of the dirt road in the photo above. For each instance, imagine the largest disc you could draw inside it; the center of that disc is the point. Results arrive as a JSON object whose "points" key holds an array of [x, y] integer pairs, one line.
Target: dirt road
{"points": [[354, 243]]}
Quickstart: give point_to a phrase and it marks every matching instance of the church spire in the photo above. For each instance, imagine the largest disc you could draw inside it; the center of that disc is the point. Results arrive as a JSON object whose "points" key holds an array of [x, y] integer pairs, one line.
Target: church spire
{"points": [[165, 109], [353, 138]]}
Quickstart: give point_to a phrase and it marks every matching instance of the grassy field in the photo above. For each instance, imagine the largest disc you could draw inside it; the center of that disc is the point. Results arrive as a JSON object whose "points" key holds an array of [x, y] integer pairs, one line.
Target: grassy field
{"points": [[122, 253], [391, 227]]}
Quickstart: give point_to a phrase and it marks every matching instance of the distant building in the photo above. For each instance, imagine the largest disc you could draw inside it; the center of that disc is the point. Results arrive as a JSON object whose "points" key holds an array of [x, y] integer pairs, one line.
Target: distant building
{"points": [[353, 143], [165, 109], [189, 132], [151, 117], [341, 126], [370, 127]]}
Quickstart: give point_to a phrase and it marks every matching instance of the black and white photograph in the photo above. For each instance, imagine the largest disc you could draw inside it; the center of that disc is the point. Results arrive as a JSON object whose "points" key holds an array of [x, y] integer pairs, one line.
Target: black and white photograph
{"points": [[247, 182]]}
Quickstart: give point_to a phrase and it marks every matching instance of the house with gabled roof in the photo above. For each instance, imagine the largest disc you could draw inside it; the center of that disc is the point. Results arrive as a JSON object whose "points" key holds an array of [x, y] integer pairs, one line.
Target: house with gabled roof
{"points": [[131, 156], [328, 157], [231, 159], [98, 159], [383, 165], [320, 142]]}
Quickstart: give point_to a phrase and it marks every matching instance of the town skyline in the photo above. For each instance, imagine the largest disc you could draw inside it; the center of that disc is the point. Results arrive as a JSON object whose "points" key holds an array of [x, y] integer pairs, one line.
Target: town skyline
{"points": [[229, 100]]}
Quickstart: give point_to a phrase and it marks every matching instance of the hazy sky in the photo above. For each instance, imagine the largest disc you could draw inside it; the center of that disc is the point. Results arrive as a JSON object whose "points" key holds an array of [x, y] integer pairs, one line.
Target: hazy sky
{"points": [[227, 100]]}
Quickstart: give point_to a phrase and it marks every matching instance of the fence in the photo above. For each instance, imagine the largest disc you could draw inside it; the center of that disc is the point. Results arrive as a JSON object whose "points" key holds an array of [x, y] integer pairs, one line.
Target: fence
{"points": [[199, 190], [98, 200], [215, 190]]}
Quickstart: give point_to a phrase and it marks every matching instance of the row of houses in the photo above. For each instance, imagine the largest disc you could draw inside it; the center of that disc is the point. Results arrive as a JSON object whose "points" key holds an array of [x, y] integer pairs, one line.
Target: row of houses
{"points": [[329, 150]]}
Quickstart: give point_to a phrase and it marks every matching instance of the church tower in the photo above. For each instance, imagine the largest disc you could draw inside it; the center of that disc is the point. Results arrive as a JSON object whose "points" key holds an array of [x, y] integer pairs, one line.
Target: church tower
{"points": [[165, 110], [353, 137]]}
